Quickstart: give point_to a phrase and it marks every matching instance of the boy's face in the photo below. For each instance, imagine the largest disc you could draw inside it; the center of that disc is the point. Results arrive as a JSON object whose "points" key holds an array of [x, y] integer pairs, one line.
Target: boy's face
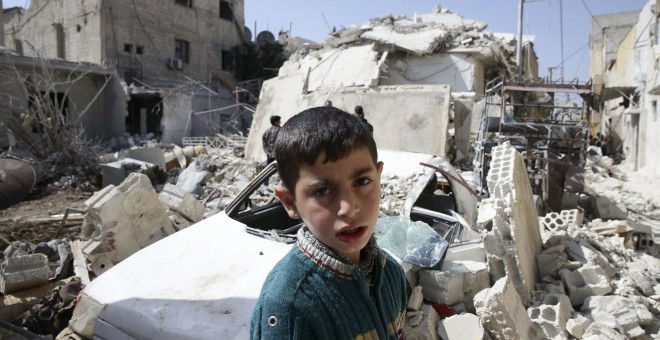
{"points": [[339, 201]]}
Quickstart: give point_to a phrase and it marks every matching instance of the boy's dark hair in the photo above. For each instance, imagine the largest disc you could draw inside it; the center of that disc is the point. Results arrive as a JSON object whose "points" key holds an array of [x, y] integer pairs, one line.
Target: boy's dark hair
{"points": [[313, 131], [274, 119]]}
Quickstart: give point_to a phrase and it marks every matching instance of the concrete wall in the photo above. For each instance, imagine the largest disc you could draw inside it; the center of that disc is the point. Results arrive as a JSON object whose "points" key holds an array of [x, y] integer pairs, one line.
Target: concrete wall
{"points": [[80, 21], [98, 31], [461, 71], [406, 117]]}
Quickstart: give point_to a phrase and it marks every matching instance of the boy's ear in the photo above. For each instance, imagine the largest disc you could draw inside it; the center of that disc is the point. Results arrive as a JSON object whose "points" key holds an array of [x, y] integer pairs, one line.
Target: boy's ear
{"points": [[379, 165], [288, 201]]}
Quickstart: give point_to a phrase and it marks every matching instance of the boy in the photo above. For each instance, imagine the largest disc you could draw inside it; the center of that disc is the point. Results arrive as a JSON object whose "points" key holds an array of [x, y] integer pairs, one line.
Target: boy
{"points": [[268, 138], [335, 283]]}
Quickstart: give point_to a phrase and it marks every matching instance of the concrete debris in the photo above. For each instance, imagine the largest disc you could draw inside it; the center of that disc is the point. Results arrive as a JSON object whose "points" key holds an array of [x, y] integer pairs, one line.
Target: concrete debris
{"points": [[422, 325], [619, 313], [122, 220], [543, 267], [552, 315], [502, 312], [23, 272], [464, 326], [512, 239]]}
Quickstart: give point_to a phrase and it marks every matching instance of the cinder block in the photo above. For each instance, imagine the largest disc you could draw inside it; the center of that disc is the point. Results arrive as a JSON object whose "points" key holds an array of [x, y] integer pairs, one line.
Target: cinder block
{"points": [[458, 281], [552, 315], [577, 325]]}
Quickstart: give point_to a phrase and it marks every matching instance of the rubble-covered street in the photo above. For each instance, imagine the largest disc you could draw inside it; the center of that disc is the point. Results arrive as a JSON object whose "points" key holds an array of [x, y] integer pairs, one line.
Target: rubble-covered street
{"points": [[135, 202]]}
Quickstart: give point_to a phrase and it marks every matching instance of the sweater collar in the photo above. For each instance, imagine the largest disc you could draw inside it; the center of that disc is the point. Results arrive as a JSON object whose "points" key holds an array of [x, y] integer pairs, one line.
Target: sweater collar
{"points": [[335, 262]]}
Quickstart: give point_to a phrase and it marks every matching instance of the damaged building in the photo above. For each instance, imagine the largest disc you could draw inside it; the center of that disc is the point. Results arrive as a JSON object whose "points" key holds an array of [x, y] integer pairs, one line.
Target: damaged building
{"points": [[625, 51], [175, 57], [420, 74]]}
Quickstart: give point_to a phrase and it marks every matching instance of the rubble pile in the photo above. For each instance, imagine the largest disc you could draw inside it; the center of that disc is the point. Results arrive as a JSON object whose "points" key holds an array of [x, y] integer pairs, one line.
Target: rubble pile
{"points": [[564, 275]]}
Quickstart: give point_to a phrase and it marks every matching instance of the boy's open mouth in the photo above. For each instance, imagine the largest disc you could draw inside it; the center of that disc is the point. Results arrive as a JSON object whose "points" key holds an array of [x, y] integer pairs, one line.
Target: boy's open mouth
{"points": [[352, 234]]}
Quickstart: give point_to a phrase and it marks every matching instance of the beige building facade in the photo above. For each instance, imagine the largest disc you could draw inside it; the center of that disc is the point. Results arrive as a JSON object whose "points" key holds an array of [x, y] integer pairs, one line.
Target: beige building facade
{"points": [[153, 42]]}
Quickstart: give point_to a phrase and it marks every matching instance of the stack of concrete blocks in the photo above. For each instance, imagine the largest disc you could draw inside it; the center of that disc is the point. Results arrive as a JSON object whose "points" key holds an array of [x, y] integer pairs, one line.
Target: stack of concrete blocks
{"points": [[503, 314], [122, 220], [512, 239], [183, 208], [23, 272], [456, 282], [421, 319], [552, 315], [619, 313]]}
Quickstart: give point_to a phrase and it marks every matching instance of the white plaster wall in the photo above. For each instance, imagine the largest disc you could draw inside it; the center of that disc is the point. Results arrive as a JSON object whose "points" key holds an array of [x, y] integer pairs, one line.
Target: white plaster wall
{"points": [[407, 118], [176, 114], [332, 68], [457, 70], [648, 72]]}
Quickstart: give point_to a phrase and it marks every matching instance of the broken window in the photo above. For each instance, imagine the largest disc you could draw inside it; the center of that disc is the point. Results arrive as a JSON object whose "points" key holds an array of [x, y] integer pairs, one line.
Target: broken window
{"points": [[187, 3], [128, 48], [227, 60], [225, 10], [18, 46], [182, 50], [59, 38], [139, 49]]}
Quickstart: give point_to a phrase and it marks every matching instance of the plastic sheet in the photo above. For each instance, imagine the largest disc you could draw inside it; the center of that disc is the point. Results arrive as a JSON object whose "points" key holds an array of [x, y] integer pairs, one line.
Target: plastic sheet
{"points": [[413, 242]]}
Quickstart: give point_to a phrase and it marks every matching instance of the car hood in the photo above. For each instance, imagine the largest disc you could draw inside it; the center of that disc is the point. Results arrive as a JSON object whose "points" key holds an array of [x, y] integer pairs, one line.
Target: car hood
{"points": [[201, 282]]}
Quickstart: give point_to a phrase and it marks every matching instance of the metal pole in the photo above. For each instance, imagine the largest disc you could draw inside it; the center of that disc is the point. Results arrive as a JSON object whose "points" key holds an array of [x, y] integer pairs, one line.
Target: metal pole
{"points": [[520, 36], [561, 36]]}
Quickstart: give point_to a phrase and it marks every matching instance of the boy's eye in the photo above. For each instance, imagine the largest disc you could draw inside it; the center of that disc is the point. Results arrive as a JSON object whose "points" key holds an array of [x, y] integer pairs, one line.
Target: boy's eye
{"points": [[320, 192], [363, 181]]}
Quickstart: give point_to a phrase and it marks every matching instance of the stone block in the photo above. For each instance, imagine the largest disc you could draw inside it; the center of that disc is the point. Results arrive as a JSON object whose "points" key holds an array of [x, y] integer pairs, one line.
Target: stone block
{"points": [[150, 155], [503, 313], [183, 202], [584, 282], [619, 313], [426, 328], [416, 299], [115, 173], [458, 281], [459, 327], [552, 315], [599, 331], [606, 208], [122, 220]]}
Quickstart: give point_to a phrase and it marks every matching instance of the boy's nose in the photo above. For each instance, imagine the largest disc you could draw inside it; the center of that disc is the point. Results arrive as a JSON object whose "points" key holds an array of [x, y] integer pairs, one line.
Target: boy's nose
{"points": [[348, 204]]}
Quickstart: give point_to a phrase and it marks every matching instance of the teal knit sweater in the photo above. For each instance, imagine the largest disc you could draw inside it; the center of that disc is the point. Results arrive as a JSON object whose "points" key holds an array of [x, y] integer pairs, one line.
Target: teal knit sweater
{"points": [[311, 295]]}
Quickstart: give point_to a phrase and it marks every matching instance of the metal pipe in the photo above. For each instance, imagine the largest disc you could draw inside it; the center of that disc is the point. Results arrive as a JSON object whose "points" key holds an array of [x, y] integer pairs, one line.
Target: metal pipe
{"points": [[520, 36]]}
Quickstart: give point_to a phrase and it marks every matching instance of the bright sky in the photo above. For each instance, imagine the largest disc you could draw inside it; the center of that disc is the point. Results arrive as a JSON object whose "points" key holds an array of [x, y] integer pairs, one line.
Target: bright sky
{"points": [[313, 19]]}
